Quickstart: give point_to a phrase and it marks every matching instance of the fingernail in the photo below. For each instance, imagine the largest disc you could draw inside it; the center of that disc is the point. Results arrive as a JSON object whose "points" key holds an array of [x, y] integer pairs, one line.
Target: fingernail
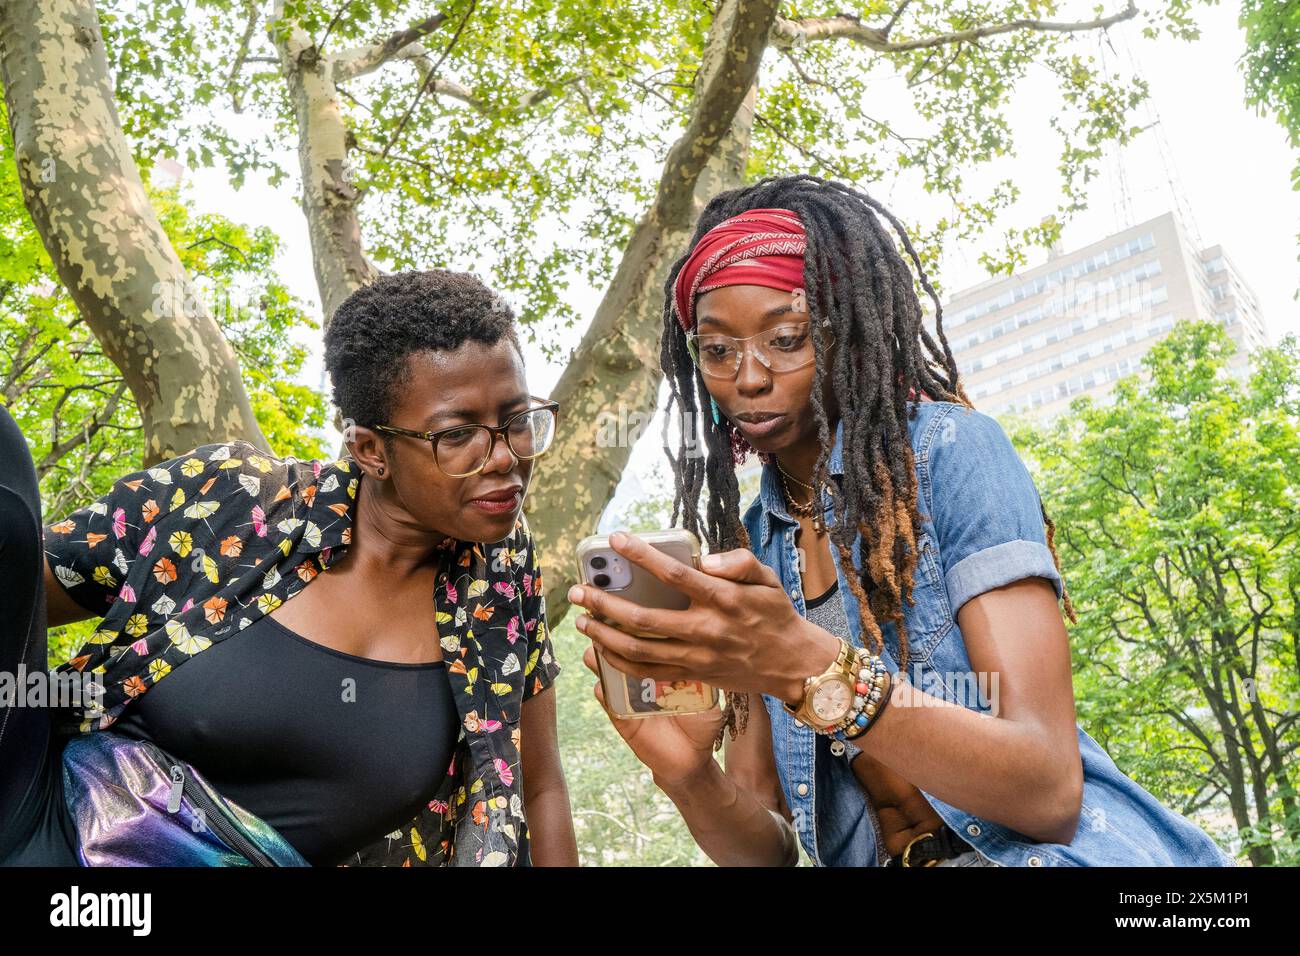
{"points": [[580, 622], [575, 595], [618, 538]]}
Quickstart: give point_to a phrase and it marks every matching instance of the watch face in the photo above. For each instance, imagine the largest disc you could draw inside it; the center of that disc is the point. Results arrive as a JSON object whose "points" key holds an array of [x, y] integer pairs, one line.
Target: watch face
{"points": [[832, 700]]}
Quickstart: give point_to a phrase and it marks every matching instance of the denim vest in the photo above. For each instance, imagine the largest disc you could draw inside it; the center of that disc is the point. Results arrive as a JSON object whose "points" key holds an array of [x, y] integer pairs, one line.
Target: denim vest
{"points": [[982, 528]]}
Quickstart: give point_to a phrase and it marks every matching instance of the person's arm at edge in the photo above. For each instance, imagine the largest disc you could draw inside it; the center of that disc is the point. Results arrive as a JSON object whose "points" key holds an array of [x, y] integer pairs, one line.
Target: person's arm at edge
{"points": [[546, 795], [60, 608], [732, 813]]}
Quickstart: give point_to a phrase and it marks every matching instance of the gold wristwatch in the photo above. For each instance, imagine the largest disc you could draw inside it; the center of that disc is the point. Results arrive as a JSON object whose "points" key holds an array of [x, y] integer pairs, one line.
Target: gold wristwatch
{"points": [[828, 696]]}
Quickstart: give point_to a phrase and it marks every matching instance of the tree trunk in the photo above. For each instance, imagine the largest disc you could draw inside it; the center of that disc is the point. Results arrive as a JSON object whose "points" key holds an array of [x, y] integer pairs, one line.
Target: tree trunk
{"points": [[615, 369], [329, 199], [84, 193]]}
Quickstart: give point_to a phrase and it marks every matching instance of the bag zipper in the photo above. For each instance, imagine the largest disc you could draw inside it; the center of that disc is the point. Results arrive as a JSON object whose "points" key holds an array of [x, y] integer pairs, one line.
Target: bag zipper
{"points": [[213, 815]]}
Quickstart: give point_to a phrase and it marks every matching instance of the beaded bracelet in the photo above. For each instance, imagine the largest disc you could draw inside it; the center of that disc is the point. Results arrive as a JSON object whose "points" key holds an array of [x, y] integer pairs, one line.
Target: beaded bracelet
{"points": [[882, 690], [871, 693]]}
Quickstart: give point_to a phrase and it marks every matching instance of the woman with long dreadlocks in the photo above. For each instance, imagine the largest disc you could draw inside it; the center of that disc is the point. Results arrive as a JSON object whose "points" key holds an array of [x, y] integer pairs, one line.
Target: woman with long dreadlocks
{"points": [[892, 593]]}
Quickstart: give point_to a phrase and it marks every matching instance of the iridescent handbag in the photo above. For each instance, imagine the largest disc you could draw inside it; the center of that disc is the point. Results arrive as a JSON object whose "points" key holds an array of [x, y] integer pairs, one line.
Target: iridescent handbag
{"points": [[133, 804]]}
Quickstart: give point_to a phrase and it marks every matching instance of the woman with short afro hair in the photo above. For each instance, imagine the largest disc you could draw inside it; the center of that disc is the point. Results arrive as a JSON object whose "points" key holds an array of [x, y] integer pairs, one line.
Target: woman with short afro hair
{"points": [[367, 659]]}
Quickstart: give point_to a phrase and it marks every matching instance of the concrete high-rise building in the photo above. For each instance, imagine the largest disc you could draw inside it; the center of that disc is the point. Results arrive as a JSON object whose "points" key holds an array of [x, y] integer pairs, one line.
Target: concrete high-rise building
{"points": [[1084, 319]]}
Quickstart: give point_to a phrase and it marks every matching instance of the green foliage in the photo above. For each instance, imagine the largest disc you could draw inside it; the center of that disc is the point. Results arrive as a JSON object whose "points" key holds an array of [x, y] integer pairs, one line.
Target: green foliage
{"points": [[71, 402], [1272, 63], [816, 113], [1178, 536], [1272, 68], [537, 173], [169, 78], [234, 267], [537, 179]]}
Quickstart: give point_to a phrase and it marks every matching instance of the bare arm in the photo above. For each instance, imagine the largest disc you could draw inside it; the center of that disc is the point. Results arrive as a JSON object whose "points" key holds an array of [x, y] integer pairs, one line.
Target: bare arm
{"points": [[1019, 765], [60, 609], [752, 764], [730, 813], [546, 797], [730, 822]]}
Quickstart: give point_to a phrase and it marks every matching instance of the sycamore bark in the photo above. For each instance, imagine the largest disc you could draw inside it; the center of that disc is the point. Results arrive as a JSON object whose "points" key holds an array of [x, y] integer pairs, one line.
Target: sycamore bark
{"points": [[615, 369], [84, 193]]}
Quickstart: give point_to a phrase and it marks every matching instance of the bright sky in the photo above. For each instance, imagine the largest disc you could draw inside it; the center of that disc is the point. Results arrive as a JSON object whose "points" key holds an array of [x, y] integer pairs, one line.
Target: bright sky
{"points": [[1219, 164]]}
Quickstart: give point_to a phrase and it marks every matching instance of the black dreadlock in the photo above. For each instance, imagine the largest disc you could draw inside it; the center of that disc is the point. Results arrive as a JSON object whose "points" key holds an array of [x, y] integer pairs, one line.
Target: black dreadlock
{"points": [[855, 277]]}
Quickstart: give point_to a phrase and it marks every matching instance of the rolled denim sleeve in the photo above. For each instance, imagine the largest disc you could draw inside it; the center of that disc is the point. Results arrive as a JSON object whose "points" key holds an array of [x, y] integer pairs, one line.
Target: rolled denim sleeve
{"points": [[986, 510]]}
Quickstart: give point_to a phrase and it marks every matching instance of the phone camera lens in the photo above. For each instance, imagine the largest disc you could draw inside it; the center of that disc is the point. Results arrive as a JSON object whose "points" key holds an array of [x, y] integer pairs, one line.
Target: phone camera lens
{"points": [[601, 580], [598, 563]]}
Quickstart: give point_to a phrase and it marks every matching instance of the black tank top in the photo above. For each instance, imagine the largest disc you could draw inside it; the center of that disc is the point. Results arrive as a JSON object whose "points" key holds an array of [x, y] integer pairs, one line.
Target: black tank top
{"points": [[331, 749]]}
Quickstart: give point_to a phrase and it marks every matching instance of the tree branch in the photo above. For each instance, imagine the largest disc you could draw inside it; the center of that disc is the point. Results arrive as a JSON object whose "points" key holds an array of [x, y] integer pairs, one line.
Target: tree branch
{"points": [[787, 33], [454, 90], [358, 61], [84, 432], [446, 52], [334, 21], [804, 151], [912, 80], [252, 12], [715, 108], [886, 128], [895, 18], [221, 242], [450, 88]]}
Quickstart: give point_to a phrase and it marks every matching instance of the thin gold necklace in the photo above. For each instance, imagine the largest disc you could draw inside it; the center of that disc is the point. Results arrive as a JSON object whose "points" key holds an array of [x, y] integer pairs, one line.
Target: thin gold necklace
{"points": [[807, 509], [792, 477]]}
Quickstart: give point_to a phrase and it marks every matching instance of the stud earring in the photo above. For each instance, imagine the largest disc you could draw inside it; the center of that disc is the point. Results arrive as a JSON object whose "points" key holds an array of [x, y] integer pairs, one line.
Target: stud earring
{"points": [[380, 471]]}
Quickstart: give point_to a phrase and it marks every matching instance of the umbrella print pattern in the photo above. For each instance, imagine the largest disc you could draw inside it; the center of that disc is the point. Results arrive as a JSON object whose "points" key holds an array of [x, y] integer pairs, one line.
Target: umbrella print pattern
{"points": [[225, 534]]}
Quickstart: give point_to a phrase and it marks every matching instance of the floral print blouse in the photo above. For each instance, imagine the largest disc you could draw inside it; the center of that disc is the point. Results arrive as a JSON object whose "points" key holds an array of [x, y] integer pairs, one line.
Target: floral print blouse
{"points": [[179, 556]]}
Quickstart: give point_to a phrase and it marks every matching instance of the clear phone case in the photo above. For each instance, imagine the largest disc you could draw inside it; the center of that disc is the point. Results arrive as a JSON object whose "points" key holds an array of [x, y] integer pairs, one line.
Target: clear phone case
{"points": [[628, 695]]}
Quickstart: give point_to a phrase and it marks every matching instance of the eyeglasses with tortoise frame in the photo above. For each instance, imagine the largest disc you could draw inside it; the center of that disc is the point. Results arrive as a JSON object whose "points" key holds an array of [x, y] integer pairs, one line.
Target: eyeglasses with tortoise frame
{"points": [[464, 450]]}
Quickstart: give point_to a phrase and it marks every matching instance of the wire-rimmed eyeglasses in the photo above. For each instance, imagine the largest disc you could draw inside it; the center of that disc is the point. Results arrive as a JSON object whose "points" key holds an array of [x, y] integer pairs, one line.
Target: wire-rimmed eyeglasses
{"points": [[463, 450]]}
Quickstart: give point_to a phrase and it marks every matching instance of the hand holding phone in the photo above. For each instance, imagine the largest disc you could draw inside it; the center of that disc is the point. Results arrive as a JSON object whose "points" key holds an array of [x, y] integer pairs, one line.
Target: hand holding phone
{"points": [[675, 748], [600, 566], [739, 629]]}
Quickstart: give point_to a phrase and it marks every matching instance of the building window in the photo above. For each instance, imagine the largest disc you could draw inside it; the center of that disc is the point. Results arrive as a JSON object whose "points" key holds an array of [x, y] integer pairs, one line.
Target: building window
{"points": [[1041, 283]]}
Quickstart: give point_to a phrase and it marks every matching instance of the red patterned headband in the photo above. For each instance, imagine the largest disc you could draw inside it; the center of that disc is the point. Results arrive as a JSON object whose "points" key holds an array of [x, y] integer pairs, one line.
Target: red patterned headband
{"points": [[759, 247]]}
